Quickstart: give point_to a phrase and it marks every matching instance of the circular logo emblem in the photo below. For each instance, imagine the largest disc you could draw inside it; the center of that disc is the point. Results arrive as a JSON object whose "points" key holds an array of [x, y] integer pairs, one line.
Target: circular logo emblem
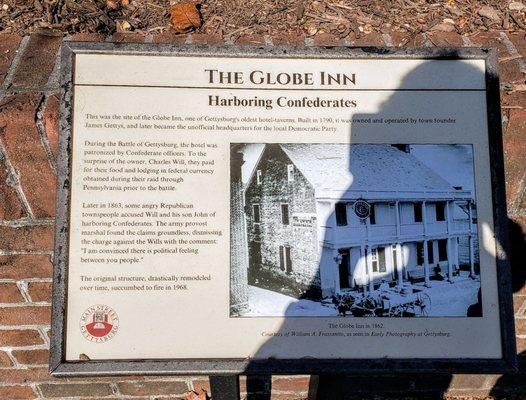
{"points": [[362, 209], [99, 323]]}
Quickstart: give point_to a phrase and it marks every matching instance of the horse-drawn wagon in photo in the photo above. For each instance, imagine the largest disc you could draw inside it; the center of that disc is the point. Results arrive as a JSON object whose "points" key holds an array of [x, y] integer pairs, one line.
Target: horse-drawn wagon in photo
{"points": [[393, 302]]}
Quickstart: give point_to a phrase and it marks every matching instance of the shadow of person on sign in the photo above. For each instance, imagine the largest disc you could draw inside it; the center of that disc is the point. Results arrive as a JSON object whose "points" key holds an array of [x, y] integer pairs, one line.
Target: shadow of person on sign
{"points": [[510, 384], [346, 243]]}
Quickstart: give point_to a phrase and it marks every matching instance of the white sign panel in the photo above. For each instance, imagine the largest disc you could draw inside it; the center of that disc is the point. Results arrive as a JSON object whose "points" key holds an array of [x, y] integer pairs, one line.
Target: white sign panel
{"points": [[214, 209]]}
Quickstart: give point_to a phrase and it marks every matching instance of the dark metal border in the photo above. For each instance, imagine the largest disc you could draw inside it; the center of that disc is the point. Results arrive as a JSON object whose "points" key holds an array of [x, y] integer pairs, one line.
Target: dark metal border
{"points": [[60, 367]]}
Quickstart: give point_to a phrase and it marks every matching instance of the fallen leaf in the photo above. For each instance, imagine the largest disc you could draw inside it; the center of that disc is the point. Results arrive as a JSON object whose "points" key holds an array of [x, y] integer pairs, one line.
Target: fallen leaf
{"points": [[506, 22], [191, 395], [443, 27], [318, 6], [38, 5], [489, 13], [184, 17], [112, 4], [454, 10], [343, 29]]}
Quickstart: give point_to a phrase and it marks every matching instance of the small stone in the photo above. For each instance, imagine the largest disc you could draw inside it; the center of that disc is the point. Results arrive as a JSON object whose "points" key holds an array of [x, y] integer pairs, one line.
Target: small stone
{"points": [[489, 13], [311, 28], [123, 26], [5, 7], [516, 6], [386, 28]]}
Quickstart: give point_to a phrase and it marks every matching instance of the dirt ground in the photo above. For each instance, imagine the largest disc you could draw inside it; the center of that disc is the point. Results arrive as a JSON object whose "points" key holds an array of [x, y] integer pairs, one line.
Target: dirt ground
{"points": [[259, 17]]}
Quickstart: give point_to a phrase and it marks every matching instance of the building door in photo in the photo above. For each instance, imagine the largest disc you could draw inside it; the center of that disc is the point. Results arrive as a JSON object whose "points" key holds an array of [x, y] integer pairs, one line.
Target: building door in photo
{"points": [[288, 260], [255, 256], [285, 259], [344, 268]]}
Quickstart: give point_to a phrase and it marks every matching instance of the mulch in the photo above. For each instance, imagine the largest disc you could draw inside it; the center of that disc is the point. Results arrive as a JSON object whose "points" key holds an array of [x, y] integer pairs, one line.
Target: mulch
{"points": [[234, 18]]}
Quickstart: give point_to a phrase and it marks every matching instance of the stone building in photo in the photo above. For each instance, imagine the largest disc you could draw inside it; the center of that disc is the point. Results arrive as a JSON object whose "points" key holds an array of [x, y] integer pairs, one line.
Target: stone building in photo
{"points": [[327, 218]]}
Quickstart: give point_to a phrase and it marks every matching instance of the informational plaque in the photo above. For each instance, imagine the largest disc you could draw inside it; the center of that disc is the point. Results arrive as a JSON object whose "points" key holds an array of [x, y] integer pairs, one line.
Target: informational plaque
{"points": [[280, 210]]}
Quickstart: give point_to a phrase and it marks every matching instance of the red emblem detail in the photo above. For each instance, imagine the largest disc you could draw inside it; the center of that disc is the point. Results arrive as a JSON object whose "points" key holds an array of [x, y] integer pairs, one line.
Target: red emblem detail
{"points": [[99, 323]]}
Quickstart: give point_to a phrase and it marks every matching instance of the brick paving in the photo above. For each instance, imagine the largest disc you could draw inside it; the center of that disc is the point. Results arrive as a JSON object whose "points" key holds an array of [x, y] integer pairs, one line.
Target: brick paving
{"points": [[28, 140]]}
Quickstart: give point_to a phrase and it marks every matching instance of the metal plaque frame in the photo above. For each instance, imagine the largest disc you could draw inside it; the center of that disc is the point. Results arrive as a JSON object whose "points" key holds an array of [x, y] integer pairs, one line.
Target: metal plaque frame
{"points": [[60, 367]]}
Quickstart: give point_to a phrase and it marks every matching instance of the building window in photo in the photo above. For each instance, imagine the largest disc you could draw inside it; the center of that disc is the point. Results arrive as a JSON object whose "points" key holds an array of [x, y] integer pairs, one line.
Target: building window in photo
{"points": [[285, 260], [256, 214], [372, 215], [374, 260], [378, 259], [290, 173], [381, 260], [440, 209], [258, 177], [285, 214], [341, 214], [395, 258], [417, 207]]}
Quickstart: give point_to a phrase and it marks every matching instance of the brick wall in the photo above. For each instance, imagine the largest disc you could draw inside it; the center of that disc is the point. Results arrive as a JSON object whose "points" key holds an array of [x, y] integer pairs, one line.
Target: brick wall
{"points": [[28, 141]]}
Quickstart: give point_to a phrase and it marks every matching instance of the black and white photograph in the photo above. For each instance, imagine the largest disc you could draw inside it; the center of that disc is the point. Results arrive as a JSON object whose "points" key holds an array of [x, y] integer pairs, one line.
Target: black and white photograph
{"points": [[356, 230]]}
